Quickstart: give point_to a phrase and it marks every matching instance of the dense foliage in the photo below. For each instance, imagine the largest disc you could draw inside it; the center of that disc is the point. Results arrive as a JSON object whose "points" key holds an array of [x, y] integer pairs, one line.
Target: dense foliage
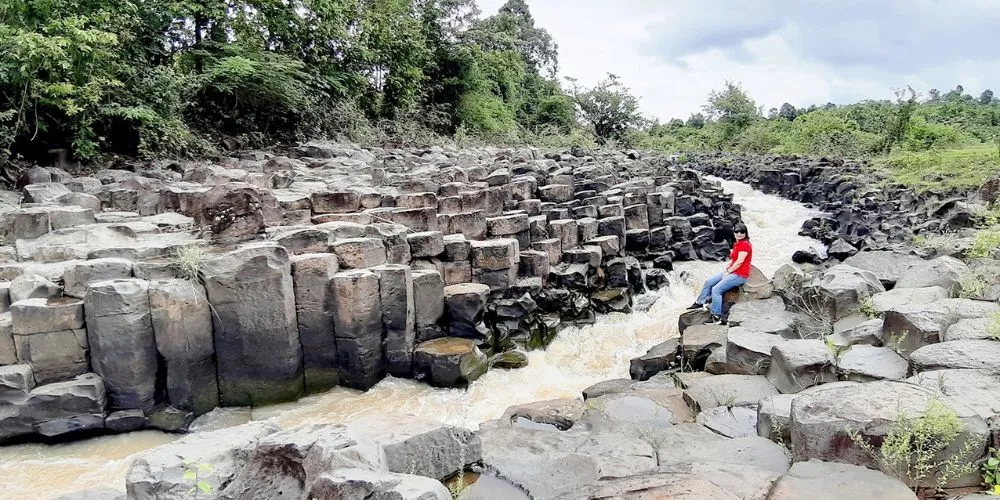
{"points": [[175, 77], [145, 77], [950, 140]]}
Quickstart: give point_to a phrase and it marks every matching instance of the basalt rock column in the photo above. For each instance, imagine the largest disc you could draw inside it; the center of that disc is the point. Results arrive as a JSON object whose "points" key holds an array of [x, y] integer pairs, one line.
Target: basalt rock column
{"points": [[311, 275], [122, 346], [357, 316], [256, 336], [182, 325]]}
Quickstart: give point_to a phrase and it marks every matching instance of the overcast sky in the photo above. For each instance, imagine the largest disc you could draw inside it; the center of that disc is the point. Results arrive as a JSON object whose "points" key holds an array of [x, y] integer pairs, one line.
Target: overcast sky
{"points": [[671, 53]]}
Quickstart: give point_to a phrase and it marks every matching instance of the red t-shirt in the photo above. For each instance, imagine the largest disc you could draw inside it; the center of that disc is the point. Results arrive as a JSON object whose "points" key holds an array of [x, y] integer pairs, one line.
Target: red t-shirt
{"points": [[741, 246]]}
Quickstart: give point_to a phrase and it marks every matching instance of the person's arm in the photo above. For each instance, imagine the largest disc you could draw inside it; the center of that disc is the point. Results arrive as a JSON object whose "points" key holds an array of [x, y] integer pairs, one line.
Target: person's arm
{"points": [[740, 257]]}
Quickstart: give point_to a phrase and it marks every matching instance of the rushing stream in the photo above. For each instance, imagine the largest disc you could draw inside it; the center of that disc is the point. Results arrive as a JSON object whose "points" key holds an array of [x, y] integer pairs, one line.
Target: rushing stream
{"points": [[578, 358]]}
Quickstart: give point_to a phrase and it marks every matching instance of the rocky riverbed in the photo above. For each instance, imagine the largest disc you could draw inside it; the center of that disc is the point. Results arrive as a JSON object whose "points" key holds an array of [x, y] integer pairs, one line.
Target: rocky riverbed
{"points": [[346, 265], [144, 297]]}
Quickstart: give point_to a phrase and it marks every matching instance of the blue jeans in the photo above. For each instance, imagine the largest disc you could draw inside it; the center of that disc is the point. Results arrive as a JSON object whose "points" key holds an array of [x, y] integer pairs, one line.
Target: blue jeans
{"points": [[716, 286]]}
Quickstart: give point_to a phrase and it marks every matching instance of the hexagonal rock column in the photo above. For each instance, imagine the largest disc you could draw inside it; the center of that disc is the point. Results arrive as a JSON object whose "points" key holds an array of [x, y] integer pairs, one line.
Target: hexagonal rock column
{"points": [[359, 253], [357, 317], [79, 276], [61, 408], [122, 344], [182, 326], [48, 335], [428, 298], [256, 336], [448, 362], [311, 275], [465, 304], [494, 263], [234, 211], [398, 317], [799, 364]]}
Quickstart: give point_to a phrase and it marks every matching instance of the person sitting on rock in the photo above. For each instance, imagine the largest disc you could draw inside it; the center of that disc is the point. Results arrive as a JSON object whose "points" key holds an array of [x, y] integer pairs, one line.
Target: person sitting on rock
{"points": [[736, 274]]}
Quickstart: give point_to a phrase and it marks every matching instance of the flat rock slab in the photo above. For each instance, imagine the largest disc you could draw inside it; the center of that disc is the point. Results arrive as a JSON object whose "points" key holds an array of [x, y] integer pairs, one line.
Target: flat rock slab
{"points": [[765, 316], [748, 351], [695, 481], [559, 414], [817, 480], [737, 421], [363, 483], [658, 358], [974, 354], [414, 445], [841, 289], [864, 363], [775, 412], [549, 463], [977, 389], [608, 387], [690, 443], [159, 472], [887, 266], [799, 364], [644, 407], [698, 341], [945, 272], [728, 390]]}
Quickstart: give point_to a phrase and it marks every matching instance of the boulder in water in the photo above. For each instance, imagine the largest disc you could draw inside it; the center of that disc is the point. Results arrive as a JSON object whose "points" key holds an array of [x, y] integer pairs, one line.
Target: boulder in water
{"points": [[448, 362]]}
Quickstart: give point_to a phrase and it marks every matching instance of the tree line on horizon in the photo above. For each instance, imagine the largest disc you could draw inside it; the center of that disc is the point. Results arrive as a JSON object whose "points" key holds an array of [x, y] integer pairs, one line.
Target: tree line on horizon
{"points": [[148, 78]]}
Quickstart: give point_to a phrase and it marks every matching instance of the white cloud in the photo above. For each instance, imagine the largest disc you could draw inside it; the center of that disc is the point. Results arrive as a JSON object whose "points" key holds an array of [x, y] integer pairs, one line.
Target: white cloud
{"points": [[673, 53]]}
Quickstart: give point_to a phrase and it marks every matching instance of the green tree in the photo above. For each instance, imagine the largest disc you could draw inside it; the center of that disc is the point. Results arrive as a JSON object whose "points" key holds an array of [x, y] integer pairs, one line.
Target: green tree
{"points": [[788, 112], [696, 120], [732, 108], [986, 97], [899, 123], [609, 108]]}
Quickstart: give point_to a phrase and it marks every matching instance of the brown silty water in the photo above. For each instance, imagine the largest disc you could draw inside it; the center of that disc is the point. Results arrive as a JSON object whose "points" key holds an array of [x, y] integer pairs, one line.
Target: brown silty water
{"points": [[576, 359]]}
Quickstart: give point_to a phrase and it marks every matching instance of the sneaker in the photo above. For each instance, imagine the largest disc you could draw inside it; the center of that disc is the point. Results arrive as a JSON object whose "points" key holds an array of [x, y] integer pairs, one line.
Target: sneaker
{"points": [[695, 306], [716, 320]]}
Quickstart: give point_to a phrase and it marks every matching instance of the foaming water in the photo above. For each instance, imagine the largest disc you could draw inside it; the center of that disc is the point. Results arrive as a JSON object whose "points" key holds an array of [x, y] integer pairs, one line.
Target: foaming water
{"points": [[576, 359]]}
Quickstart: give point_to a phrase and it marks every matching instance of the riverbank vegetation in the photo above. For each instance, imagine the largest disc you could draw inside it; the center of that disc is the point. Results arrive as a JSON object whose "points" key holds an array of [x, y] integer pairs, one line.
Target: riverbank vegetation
{"points": [[187, 77], [175, 77]]}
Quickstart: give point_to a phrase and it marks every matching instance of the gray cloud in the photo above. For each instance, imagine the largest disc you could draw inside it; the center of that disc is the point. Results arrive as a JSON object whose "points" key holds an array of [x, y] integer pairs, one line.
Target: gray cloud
{"points": [[672, 53], [894, 34]]}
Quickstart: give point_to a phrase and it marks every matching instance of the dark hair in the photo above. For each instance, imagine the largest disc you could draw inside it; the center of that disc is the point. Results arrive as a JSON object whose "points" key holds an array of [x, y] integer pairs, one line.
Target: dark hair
{"points": [[741, 228]]}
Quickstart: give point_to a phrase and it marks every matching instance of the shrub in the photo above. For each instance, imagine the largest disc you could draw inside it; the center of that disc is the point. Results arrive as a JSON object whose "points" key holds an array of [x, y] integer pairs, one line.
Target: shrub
{"points": [[243, 95], [484, 115], [761, 137], [986, 243], [912, 447], [824, 133], [923, 136]]}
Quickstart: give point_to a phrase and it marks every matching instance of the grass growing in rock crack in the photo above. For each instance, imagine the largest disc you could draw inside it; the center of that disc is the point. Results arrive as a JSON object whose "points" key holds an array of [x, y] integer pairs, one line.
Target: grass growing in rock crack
{"points": [[190, 261], [192, 475], [993, 327], [458, 485], [868, 308], [912, 447]]}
